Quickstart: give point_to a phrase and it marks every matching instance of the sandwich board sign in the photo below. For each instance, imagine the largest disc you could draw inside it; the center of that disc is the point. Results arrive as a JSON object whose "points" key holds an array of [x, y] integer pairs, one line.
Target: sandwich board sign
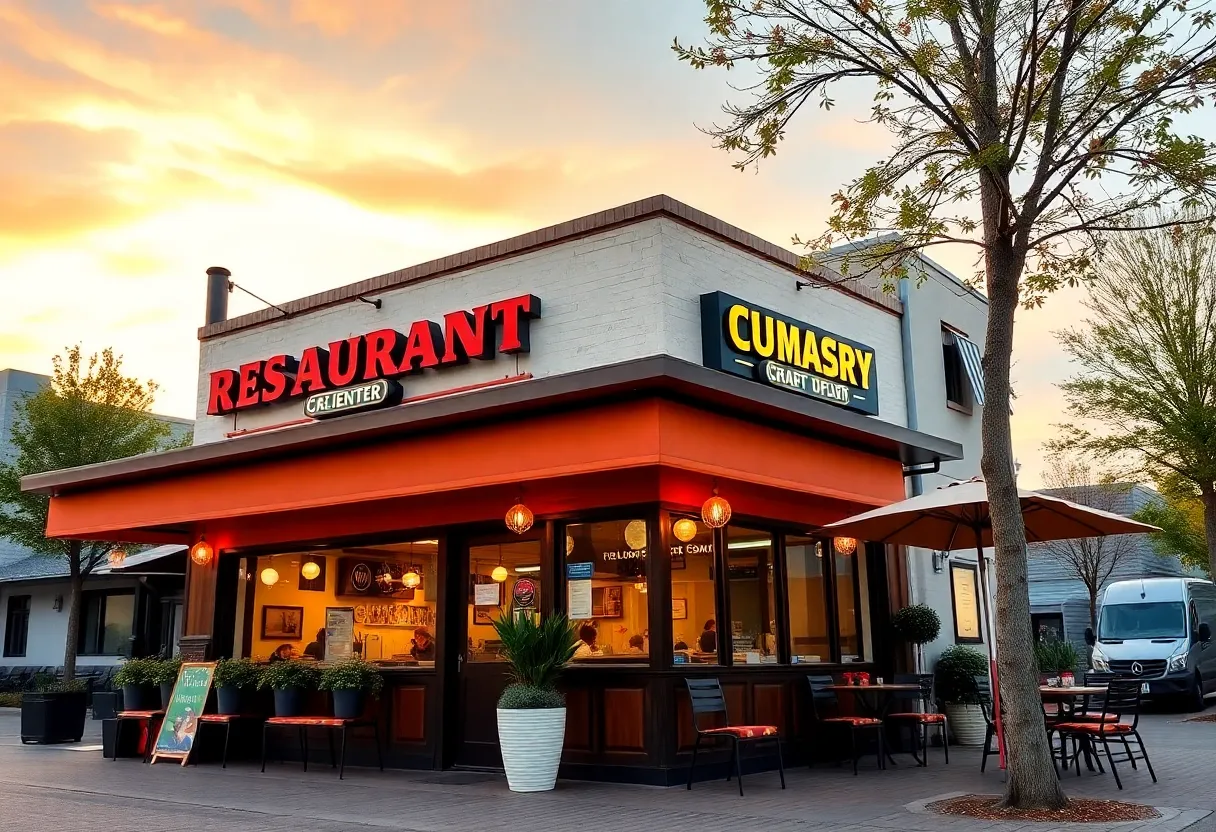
{"points": [[175, 739]]}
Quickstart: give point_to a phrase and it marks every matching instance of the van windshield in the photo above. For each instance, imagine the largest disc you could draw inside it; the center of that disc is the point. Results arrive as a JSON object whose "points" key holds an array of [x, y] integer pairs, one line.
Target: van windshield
{"points": [[1159, 619]]}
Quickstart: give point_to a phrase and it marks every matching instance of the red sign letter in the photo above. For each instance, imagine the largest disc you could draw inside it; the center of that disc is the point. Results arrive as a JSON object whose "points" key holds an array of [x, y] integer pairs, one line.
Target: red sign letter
{"points": [[251, 382], [422, 347], [310, 378], [219, 398], [468, 335], [383, 352], [277, 376], [514, 314], [345, 358]]}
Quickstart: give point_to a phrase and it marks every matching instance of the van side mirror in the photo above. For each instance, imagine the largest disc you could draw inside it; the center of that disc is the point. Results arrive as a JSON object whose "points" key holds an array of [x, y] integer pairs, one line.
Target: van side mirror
{"points": [[1204, 632], [1090, 638]]}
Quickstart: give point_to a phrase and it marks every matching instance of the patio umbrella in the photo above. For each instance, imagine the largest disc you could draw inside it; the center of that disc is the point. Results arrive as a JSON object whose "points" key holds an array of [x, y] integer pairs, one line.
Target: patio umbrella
{"points": [[956, 516]]}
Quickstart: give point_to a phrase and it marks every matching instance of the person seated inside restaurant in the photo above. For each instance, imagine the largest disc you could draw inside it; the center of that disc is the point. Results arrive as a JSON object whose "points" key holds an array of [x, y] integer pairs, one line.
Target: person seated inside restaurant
{"points": [[637, 644], [680, 645], [708, 642], [283, 653], [316, 649], [587, 645], [423, 645]]}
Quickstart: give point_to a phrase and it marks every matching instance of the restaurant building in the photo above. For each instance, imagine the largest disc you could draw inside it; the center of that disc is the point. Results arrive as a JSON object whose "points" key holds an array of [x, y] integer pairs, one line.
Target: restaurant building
{"points": [[539, 424]]}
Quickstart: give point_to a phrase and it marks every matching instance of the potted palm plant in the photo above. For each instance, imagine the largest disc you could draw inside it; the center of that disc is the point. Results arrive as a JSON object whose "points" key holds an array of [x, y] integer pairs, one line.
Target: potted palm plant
{"points": [[918, 625], [531, 711], [138, 680], [164, 676], [289, 680], [957, 668], [54, 711], [350, 682], [233, 678]]}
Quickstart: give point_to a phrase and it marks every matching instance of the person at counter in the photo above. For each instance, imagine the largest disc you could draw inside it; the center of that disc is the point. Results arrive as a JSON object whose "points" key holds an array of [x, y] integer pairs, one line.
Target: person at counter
{"points": [[587, 645], [316, 649], [708, 642], [423, 645], [283, 653], [637, 645]]}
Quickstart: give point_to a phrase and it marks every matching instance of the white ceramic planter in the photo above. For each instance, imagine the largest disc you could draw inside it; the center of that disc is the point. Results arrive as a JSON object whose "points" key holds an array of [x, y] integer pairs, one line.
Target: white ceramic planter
{"points": [[531, 742], [967, 724]]}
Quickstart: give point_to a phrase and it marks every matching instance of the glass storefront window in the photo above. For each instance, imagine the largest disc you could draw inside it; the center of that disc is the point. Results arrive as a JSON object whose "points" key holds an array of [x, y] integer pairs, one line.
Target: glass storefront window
{"points": [[694, 605], [494, 571], [392, 588], [607, 590], [753, 602], [848, 616], [806, 580]]}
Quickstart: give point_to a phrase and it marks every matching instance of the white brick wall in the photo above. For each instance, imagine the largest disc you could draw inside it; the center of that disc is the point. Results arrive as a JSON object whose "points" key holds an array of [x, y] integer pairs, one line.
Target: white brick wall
{"points": [[618, 295]]}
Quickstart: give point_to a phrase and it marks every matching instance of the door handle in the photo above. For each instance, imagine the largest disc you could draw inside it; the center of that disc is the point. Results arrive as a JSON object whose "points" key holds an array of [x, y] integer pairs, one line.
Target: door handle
{"points": [[459, 662]]}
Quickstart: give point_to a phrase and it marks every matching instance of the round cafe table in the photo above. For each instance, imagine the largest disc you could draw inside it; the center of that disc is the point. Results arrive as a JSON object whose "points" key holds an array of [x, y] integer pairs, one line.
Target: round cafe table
{"points": [[1066, 699], [876, 699]]}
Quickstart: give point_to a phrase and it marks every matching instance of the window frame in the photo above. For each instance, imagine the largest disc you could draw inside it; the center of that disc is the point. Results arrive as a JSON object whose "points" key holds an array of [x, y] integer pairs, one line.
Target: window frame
{"points": [[11, 614], [955, 373], [95, 649]]}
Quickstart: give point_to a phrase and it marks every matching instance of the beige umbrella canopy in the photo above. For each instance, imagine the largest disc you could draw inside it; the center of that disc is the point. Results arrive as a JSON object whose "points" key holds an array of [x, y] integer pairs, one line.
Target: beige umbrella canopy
{"points": [[949, 518], [956, 516]]}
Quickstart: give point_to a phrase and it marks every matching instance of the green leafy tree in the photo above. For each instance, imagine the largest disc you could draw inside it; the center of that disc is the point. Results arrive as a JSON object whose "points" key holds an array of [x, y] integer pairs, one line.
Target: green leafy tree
{"points": [[1147, 359], [1179, 515], [89, 413], [1023, 128]]}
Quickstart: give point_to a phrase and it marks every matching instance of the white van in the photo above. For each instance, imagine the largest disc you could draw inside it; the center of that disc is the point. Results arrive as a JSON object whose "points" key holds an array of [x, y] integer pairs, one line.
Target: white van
{"points": [[1159, 630]]}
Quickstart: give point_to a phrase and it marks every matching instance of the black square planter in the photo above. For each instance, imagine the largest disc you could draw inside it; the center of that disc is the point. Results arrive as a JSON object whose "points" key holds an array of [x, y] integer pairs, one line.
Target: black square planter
{"points": [[53, 717]]}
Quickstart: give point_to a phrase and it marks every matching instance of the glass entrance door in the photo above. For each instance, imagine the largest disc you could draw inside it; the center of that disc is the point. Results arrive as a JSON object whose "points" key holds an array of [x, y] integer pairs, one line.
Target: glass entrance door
{"points": [[492, 568]]}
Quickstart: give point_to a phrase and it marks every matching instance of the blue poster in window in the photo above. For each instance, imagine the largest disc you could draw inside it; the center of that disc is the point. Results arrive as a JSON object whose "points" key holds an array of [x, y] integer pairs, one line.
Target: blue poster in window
{"points": [[579, 571]]}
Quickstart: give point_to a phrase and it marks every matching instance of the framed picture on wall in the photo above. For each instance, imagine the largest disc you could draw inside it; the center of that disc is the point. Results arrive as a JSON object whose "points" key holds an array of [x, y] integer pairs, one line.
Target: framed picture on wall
{"points": [[679, 609], [606, 602], [286, 623], [964, 593], [482, 616]]}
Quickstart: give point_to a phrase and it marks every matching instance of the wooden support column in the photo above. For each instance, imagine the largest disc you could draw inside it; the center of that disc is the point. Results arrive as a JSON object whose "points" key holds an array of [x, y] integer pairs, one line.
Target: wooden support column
{"points": [[198, 610]]}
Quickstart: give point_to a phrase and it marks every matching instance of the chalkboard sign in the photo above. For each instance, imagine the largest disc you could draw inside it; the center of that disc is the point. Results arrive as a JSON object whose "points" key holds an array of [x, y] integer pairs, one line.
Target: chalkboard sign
{"points": [[175, 739]]}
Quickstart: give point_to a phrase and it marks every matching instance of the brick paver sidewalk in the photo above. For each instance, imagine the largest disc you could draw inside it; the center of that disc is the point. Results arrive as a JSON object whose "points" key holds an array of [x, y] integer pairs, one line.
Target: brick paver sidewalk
{"points": [[64, 790]]}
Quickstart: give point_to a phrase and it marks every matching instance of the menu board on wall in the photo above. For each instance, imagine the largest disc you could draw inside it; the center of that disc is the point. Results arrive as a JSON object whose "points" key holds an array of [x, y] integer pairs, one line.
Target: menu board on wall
{"points": [[339, 633], [964, 579]]}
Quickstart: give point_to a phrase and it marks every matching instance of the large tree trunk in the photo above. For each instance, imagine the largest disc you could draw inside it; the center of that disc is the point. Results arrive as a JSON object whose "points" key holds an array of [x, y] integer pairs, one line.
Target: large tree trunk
{"points": [[1031, 780], [73, 637], [1207, 495]]}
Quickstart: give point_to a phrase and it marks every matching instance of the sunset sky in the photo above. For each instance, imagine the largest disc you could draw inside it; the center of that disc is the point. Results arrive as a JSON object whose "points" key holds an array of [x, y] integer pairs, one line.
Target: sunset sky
{"points": [[306, 144]]}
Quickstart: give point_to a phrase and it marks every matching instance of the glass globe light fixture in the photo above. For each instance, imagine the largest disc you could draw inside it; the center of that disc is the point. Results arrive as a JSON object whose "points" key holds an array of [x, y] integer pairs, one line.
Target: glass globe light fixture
{"points": [[635, 534], [684, 529], [310, 570], [845, 545], [715, 513], [499, 574], [270, 576]]}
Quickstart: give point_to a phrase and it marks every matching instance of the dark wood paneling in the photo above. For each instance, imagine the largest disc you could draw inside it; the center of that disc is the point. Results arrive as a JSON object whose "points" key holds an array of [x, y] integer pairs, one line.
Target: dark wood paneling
{"points": [[624, 713], [578, 720], [769, 705], [736, 704], [409, 714]]}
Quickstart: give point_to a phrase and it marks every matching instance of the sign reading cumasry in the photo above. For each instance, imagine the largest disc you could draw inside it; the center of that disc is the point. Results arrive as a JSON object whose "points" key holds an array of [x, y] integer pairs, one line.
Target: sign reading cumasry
{"points": [[757, 343]]}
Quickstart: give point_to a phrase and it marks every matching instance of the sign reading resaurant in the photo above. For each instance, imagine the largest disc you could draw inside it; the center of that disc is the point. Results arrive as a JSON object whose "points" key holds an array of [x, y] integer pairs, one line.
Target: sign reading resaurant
{"points": [[756, 343], [481, 333]]}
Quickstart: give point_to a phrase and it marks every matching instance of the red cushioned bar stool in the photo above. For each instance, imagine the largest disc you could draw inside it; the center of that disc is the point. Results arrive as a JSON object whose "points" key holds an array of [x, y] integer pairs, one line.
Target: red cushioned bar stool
{"points": [[331, 724], [824, 698], [152, 719], [706, 697]]}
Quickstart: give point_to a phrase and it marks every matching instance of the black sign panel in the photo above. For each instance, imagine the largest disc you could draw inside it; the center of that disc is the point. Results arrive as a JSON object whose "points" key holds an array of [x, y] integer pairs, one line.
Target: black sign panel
{"points": [[757, 343]]}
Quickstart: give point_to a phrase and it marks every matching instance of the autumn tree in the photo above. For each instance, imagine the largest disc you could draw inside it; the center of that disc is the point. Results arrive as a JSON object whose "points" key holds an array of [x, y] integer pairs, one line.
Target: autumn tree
{"points": [[87, 414], [1091, 560], [1179, 515], [1144, 397], [1025, 129]]}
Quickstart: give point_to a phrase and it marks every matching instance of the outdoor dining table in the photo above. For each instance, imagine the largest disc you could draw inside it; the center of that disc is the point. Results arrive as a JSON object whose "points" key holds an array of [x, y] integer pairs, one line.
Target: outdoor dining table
{"points": [[1065, 698], [878, 706]]}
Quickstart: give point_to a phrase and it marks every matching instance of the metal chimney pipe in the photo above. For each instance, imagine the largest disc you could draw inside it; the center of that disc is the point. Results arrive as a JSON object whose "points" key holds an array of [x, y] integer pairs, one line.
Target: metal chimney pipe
{"points": [[217, 294]]}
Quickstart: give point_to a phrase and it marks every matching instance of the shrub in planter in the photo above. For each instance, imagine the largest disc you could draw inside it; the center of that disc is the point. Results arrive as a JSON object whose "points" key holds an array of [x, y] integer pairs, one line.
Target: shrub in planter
{"points": [[165, 676], [957, 668], [350, 682], [54, 712], [138, 679], [531, 711], [918, 625], [233, 677], [289, 680]]}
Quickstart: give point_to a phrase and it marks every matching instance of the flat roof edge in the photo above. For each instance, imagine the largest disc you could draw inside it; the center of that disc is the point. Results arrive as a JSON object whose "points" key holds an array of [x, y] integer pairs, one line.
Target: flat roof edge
{"points": [[627, 214]]}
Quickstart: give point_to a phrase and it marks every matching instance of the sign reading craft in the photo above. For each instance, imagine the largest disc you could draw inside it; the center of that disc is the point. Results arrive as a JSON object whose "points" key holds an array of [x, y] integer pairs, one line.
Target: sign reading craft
{"points": [[751, 341], [359, 370]]}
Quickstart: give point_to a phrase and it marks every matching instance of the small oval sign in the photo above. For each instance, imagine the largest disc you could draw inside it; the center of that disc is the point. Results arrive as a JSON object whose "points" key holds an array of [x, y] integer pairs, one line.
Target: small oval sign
{"points": [[380, 393]]}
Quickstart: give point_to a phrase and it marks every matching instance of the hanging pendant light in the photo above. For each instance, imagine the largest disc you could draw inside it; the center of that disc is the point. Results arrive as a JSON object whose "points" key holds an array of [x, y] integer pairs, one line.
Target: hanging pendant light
{"points": [[118, 557], [569, 545], [201, 552], [270, 576], [411, 579], [519, 517], [684, 529], [500, 572], [310, 570], [715, 513], [635, 534], [845, 545]]}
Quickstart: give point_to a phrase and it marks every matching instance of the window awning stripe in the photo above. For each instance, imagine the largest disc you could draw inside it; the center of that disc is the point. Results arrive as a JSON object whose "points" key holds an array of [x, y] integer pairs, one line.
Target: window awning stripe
{"points": [[975, 369]]}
